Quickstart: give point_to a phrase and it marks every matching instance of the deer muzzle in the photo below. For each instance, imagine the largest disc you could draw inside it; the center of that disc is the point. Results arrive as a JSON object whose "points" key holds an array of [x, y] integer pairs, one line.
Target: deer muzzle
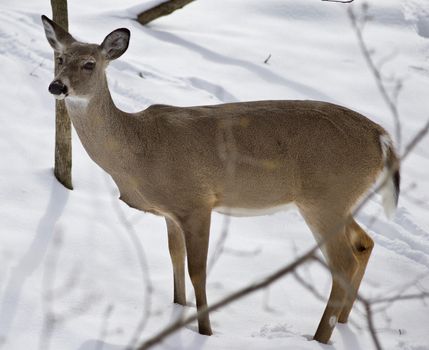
{"points": [[58, 89]]}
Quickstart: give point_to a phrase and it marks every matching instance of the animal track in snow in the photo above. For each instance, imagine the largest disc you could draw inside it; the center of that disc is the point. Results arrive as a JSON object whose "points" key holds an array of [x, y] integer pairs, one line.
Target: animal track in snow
{"points": [[276, 331], [402, 235]]}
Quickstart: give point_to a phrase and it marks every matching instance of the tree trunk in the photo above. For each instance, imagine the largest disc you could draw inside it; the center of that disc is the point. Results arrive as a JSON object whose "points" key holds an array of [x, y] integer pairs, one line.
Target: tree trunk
{"points": [[63, 148], [162, 9]]}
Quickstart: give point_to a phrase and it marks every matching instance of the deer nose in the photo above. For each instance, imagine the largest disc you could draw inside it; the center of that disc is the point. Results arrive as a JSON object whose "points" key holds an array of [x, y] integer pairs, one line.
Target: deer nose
{"points": [[57, 88]]}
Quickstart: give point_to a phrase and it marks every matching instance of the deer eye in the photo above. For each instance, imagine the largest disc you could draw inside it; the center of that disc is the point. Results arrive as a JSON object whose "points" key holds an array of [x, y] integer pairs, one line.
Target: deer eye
{"points": [[60, 60], [89, 65]]}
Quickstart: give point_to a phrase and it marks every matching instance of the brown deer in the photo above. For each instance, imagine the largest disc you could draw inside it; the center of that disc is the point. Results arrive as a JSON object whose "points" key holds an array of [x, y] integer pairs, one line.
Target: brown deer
{"points": [[238, 158]]}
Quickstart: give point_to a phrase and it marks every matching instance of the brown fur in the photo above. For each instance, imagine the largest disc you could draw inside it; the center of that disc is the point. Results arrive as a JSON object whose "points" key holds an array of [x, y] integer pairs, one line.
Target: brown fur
{"points": [[182, 162]]}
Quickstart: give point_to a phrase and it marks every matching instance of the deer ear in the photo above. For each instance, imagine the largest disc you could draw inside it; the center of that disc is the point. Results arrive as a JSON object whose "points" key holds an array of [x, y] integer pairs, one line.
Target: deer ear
{"points": [[57, 37], [116, 43]]}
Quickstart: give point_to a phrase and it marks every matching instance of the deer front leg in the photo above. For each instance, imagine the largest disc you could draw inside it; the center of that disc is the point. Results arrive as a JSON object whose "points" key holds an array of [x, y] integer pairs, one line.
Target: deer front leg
{"points": [[196, 229], [176, 246], [343, 265], [340, 292]]}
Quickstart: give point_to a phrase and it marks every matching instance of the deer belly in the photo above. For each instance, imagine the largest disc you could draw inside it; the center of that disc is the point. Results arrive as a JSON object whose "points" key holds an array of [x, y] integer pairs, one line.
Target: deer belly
{"points": [[235, 211]]}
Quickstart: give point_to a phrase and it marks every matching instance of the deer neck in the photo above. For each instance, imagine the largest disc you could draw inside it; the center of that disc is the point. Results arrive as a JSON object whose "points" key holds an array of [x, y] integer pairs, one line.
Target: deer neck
{"points": [[98, 123]]}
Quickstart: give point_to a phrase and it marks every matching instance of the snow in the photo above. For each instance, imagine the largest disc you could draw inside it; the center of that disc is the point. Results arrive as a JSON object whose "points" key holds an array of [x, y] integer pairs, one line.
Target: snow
{"points": [[76, 242]]}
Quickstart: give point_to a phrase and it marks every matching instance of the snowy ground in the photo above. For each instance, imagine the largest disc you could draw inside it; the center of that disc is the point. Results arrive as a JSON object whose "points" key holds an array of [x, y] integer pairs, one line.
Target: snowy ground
{"points": [[76, 243]]}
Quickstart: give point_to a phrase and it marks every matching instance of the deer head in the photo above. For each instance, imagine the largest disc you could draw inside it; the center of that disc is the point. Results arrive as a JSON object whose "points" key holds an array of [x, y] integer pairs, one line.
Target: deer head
{"points": [[81, 66]]}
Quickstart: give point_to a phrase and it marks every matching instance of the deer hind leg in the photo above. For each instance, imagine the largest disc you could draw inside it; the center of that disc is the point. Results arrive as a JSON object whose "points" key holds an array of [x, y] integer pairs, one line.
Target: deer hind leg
{"points": [[176, 246], [362, 245], [341, 260], [196, 229]]}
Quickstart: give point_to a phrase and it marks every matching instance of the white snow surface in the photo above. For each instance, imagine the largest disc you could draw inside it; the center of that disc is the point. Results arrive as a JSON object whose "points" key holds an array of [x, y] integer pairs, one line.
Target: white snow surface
{"points": [[86, 257]]}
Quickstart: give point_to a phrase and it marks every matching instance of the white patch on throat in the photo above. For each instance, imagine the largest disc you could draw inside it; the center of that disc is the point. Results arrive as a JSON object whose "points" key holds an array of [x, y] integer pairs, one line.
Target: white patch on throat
{"points": [[77, 102], [254, 211]]}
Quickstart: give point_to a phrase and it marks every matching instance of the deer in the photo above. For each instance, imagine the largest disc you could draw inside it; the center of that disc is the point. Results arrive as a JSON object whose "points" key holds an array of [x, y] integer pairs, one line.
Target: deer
{"points": [[243, 158]]}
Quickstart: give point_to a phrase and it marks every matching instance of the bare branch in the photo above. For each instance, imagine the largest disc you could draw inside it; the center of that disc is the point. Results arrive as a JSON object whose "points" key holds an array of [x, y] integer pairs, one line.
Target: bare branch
{"points": [[420, 135], [358, 23], [370, 321], [220, 246], [309, 287], [414, 296], [340, 1], [229, 299], [163, 9], [103, 330]]}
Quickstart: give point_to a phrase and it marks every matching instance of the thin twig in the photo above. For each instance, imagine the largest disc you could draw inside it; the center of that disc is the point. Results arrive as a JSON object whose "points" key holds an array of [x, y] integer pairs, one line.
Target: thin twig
{"points": [[367, 54], [220, 246], [103, 329], [308, 286], [340, 1], [267, 59], [416, 139], [228, 299], [370, 320], [414, 296]]}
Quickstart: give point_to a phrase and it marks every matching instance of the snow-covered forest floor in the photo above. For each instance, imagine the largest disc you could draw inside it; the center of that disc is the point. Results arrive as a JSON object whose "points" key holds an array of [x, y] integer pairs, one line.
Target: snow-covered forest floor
{"points": [[73, 254]]}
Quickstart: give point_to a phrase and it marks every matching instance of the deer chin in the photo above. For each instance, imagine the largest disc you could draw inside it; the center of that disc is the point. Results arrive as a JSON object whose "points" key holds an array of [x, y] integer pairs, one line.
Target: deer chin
{"points": [[60, 96]]}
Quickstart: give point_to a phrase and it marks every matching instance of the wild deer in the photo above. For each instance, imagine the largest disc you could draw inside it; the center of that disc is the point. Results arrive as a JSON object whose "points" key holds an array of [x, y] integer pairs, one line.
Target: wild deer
{"points": [[176, 162]]}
